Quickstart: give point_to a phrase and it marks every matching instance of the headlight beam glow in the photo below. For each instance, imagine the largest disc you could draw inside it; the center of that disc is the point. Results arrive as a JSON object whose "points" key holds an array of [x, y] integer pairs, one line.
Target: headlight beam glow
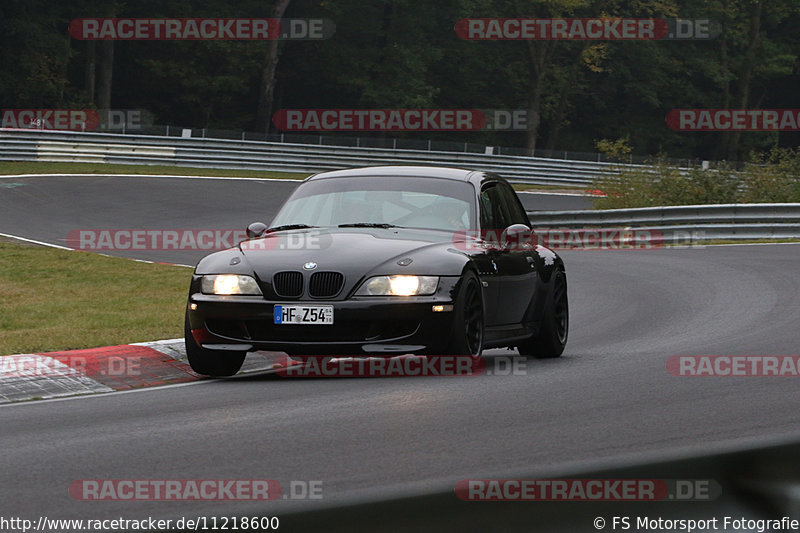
{"points": [[401, 285], [229, 284]]}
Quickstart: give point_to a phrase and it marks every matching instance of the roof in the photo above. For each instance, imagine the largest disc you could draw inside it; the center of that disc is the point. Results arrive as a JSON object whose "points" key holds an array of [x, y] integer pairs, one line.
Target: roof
{"points": [[459, 174]]}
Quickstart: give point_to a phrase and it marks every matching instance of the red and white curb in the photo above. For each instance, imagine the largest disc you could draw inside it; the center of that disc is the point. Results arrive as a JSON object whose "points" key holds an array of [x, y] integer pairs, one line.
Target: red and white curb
{"points": [[112, 368]]}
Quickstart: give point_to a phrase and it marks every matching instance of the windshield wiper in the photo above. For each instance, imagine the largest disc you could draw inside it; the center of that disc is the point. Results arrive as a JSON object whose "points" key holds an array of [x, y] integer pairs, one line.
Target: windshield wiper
{"points": [[288, 227], [368, 225]]}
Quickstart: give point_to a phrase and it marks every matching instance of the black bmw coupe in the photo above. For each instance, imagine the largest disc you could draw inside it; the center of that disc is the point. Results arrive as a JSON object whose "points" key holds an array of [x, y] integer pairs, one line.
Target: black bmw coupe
{"points": [[380, 262]]}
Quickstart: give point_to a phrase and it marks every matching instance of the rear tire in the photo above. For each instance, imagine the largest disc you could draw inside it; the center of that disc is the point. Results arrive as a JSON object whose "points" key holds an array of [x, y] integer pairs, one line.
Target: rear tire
{"points": [[554, 329], [210, 362], [467, 335]]}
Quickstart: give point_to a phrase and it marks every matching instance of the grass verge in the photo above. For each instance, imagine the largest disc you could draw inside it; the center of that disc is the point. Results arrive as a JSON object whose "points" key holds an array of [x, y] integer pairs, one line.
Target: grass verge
{"points": [[63, 300], [35, 167], [770, 178]]}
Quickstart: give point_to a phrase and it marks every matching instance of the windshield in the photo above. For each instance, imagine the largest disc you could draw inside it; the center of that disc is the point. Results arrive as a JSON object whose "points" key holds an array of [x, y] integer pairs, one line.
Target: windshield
{"points": [[431, 203]]}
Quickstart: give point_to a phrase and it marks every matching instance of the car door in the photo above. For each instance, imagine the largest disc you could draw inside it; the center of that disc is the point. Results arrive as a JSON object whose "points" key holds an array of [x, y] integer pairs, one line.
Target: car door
{"points": [[516, 269], [486, 261]]}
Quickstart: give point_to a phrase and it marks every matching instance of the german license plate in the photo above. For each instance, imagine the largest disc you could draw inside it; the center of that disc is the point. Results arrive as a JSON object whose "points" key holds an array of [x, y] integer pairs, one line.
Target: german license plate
{"points": [[303, 314]]}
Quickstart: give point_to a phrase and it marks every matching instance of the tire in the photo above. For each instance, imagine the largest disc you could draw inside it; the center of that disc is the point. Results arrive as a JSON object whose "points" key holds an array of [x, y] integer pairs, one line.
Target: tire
{"points": [[211, 362], [467, 335], [554, 329]]}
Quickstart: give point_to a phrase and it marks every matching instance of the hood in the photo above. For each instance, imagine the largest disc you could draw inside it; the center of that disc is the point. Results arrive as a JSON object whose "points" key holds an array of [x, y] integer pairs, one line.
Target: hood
{"points": [[355, 252]]}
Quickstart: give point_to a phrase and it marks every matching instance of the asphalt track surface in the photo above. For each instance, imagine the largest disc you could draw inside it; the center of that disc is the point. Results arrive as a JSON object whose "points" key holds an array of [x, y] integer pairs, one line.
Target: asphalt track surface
{"points": [[609, 399], [49, 208]]}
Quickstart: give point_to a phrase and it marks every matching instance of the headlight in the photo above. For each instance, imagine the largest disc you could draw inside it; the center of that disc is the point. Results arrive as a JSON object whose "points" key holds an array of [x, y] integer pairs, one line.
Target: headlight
{"points": [[399, 286], [229, 284]]}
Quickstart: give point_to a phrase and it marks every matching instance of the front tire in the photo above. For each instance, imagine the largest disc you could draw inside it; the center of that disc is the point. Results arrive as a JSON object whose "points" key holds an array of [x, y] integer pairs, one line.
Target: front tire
{"points": [[467, 335], [210, 362], [554, 329]]}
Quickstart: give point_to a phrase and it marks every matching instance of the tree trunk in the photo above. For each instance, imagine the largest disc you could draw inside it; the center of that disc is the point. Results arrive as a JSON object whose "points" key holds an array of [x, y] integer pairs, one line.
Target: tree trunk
{"points": [[561, 109], [539, 53], [724, 137], [746, 76], [270, 67], [64, 71], [89, 70], [106, 71], [534, 117]]}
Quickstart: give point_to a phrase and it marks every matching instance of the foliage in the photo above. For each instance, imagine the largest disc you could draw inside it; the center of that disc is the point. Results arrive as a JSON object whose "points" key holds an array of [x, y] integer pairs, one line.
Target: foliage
{"points": [[774, 177], [406, 54], [618, 150]]}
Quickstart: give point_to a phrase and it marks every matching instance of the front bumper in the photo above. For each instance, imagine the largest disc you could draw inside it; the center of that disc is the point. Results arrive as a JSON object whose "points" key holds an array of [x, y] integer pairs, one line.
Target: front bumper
{"points": [[378, 326]]}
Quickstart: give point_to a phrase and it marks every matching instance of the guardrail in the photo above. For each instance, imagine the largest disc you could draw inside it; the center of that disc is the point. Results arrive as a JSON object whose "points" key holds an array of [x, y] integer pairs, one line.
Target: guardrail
{"points": [[52, 146], [677, 224], [686, 224]]}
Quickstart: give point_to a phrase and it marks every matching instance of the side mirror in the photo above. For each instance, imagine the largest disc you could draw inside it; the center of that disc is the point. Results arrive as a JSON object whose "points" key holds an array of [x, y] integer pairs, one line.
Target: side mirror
{"points": [[517, 237], [256, 230]]}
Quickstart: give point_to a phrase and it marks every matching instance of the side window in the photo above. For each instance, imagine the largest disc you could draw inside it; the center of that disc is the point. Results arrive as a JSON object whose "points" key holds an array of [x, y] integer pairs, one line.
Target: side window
{"points": [[493, 212], [487, 216], [515, 212]]}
